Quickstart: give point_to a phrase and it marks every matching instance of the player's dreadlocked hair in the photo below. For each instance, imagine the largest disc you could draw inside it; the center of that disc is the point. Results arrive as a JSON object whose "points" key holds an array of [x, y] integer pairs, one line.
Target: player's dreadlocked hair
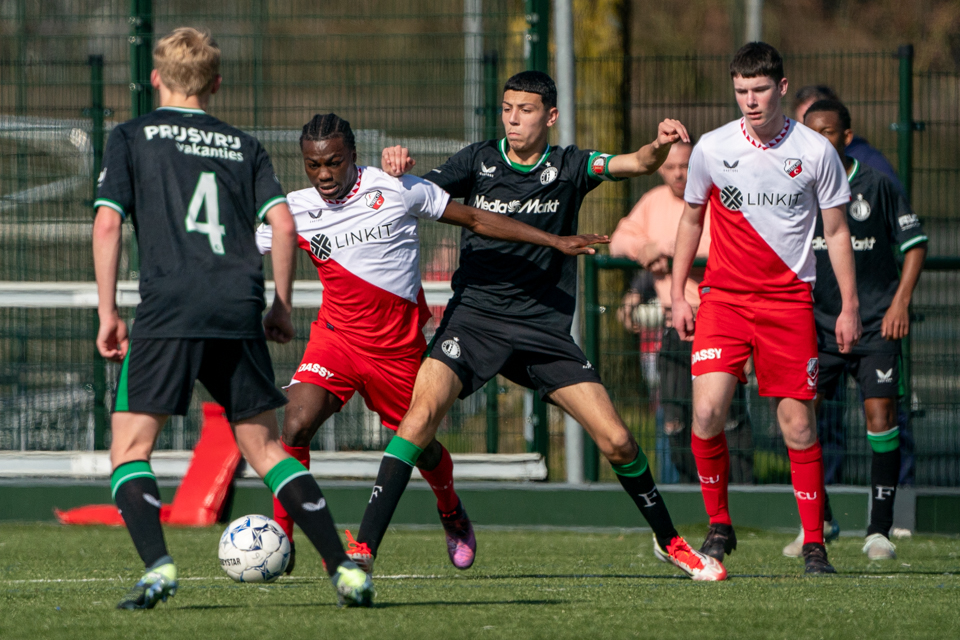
{"points": [[325, 126], [756, 59], [834, 106]]}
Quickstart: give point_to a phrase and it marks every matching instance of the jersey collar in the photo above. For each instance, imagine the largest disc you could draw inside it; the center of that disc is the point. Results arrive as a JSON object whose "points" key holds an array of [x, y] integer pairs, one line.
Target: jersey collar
{"points": [[523, 168], [772, 143], [181, 109], [352, 193], [856, 167]]}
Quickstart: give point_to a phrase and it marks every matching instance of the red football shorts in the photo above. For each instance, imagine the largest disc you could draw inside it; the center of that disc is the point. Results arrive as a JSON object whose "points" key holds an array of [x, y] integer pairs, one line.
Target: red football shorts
{"points": [[783, 342], [384, 383]]}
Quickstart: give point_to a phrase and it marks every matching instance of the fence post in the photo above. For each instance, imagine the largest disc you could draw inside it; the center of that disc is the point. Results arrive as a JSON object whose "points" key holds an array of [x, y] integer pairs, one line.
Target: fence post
{"points": [[492, 390], [905, 127], [591, 348], [491, 94], [97, 113], [141, 91], [536, 40]]}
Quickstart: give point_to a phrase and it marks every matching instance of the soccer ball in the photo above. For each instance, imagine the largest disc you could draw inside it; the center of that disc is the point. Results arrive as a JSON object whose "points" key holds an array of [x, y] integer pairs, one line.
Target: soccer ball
{"points": [[254, 549]]}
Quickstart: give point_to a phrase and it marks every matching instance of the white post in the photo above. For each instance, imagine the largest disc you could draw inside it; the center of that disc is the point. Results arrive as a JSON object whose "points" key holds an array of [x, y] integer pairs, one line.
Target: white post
{"points": [[567, 104], [754, 30], [472, 70]]}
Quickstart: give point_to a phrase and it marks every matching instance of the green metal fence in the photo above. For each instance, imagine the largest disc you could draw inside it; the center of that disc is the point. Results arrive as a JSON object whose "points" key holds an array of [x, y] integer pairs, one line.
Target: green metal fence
{"points": [[427, 74]]}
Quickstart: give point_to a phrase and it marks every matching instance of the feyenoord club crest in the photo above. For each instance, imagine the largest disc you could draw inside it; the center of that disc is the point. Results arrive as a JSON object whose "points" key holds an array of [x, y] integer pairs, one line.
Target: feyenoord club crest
{"points": [[320, 247], [451, 348], [549, 175], [374, 199], [859, 209], [793, 167], [731, 198], [598, 164]]}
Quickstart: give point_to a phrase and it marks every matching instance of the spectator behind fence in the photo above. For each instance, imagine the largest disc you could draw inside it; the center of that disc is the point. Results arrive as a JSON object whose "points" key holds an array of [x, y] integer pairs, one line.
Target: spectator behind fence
{"points": [[830, 421], [647, 236]]}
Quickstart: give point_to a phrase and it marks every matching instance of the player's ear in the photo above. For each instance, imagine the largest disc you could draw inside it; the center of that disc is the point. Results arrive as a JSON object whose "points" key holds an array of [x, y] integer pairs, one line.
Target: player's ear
{"points": [[847, 137], [353, 156], [552, 114], [782, 86], [155, 80], [216, 84]]}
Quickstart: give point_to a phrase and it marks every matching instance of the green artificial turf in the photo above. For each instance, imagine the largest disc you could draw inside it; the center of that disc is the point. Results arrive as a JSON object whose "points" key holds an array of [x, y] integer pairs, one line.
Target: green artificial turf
{"points": [[62, 582]]}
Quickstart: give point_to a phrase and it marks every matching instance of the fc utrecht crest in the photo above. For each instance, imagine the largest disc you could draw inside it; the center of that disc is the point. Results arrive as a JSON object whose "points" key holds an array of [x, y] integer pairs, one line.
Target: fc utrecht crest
{"points": [[374, 199], [793, 167], [598, 165]]}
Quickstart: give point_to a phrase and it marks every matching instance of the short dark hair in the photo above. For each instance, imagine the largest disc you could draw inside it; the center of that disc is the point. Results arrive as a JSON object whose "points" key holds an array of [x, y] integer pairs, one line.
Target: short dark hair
{"points": [[814, 92], [756, 59], [834, 106], [534, 82], [326, 126]]}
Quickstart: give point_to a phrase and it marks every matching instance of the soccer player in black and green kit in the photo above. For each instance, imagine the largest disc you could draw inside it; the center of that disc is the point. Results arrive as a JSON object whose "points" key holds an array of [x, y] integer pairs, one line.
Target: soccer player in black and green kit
{"points": [[881, 222], [513, 305], [195, 189]]}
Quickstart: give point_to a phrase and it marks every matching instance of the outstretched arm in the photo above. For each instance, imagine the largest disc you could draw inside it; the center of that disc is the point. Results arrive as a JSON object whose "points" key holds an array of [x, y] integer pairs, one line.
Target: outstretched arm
{"points": [[837, 234], [896, 321], [649, 157], [688, 239], [501, 227], [112, 334]]}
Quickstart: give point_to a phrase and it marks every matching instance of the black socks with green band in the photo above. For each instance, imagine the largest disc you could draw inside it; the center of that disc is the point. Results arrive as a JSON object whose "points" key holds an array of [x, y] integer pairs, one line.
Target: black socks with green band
{"points": [[395, 469], [300, 495], [636, 479], [884, 476], [134, 489]]}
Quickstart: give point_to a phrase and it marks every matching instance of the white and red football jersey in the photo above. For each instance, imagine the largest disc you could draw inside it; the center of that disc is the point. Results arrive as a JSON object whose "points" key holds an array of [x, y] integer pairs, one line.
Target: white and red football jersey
{"points": [[367, 252], [764, 200]]}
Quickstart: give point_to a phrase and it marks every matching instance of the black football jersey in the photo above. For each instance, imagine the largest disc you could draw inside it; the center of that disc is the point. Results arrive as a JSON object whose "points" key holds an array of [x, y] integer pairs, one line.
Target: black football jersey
{"points": [[507, 278], [881, 221], [195, 189]]}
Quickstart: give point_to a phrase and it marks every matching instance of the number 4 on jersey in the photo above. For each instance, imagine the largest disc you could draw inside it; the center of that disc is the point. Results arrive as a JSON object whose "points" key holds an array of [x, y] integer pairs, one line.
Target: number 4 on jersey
{"points": [[205, 197]]}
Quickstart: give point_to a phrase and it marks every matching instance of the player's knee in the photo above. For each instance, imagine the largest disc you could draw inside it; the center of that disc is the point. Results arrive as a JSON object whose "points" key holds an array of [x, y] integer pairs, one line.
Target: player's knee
{"points": [[708, 420], [297, 431], [619, 447]]}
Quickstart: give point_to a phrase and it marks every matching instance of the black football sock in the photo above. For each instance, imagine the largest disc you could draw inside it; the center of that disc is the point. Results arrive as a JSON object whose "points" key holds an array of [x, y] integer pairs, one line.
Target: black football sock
{"points": [[137, 495], [884, 474], [395, 469], [827, 511], [300, 495], [637, 480]]}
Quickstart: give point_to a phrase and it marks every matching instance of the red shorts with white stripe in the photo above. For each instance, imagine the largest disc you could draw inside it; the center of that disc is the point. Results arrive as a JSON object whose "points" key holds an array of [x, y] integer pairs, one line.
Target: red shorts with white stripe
{"points": [[384, 383], [783, 341]]}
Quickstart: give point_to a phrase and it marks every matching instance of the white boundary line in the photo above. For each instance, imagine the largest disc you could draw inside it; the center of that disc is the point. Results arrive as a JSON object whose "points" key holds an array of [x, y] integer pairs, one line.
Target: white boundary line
{"points": [[401, 576]]}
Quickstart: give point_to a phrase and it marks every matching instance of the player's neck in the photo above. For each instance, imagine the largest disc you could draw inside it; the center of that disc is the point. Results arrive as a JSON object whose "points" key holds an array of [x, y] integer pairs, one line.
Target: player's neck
{"points": [[181, 101], [527, 156], [849, 164], [768, 130]]}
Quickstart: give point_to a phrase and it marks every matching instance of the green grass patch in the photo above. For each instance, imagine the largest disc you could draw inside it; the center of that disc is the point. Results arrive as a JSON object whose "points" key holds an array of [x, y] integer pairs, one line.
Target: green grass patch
{"points": [[58, 582]]}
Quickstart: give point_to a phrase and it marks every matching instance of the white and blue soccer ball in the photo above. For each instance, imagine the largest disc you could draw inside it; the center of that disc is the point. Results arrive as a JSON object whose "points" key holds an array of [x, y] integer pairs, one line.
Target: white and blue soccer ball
{"points": [[254, 549]]}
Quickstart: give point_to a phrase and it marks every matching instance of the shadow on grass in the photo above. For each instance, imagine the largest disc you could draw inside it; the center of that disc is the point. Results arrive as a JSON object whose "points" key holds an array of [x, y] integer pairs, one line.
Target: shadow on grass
{"points": [[379, 605]]}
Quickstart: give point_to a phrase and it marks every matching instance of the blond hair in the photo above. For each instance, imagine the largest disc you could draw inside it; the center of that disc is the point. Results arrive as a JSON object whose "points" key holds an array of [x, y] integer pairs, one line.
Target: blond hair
{"points": [[188, 61]]}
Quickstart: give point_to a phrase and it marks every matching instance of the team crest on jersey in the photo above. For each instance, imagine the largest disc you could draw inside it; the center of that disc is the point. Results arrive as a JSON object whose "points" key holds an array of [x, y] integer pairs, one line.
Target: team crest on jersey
{"points": [[859, 209], [451, 348], [793, 167], [320, 247], [549, 175], [731, 198], [374, 199]]}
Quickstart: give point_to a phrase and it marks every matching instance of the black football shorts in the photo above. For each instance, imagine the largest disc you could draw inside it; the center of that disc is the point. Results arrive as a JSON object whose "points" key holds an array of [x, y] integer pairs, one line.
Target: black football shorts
{"points": [[158, 375], [878, 374], [478, 346]]}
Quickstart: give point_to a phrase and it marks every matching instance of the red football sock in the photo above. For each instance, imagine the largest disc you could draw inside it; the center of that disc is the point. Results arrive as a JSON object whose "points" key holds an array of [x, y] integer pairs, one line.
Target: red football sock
{"points": [[279, 513], [441, 481], [806, 472], [713, 467]]}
